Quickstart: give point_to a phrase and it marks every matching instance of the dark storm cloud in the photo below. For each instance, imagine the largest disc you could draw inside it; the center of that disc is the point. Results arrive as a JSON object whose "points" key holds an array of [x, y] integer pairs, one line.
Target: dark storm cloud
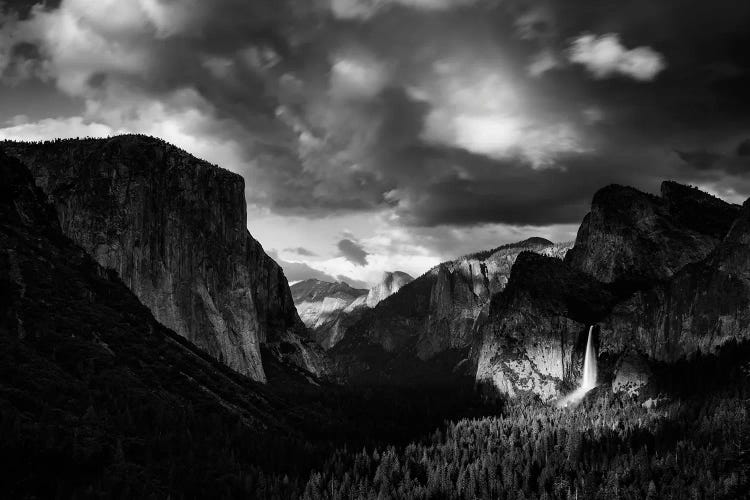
{"points": [[507, 191], [735, 161], [23, 7], [628, 137], [445, 112], [353, 252]]}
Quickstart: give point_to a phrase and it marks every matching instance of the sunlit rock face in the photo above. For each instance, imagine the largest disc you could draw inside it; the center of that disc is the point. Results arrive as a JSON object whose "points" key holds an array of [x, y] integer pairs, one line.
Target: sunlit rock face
{"points": [[535, 335], [174, 229], [438, 313], [460, 295], [327, 309], [662, 277], [390, 283]]}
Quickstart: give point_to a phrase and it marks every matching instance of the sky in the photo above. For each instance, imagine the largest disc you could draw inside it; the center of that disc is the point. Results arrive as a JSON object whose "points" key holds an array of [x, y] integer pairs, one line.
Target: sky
{"points": [[378, 135]]}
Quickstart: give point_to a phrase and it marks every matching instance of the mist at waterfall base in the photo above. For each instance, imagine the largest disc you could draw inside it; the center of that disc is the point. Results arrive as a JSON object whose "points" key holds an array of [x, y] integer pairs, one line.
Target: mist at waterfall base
{"points": [[588, 380]]}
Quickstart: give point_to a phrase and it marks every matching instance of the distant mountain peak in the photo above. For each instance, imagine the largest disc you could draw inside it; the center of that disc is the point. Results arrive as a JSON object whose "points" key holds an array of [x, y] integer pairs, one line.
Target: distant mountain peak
{"points": [[391, 282]]}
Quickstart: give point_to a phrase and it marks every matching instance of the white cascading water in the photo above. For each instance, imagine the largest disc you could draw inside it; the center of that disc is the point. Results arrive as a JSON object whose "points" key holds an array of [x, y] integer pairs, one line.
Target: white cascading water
{"points": [[589, 364], [588, 381]]}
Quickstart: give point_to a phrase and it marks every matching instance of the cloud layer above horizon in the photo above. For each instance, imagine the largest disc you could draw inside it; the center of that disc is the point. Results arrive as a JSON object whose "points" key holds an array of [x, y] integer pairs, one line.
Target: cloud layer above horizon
{"points": [[433, 115]]}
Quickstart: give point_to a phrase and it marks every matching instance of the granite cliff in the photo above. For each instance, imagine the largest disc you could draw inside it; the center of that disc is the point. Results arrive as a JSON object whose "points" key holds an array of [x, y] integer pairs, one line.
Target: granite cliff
{"points": [[704, 306], [92, 383], [661, 277], [174, 228], [431, 321], [631, 236]]}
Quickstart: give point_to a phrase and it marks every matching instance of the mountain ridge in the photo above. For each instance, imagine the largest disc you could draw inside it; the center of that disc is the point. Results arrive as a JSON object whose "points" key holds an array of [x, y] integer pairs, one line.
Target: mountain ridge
{"points": [[638, 259], [329, 308], [431, 318]]}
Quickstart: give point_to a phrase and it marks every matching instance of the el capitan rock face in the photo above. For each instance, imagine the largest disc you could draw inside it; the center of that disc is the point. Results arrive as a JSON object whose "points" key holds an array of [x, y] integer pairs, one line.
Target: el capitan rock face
{"points": [[91, 381], [434, 317], [174, 228], [652, 273]]}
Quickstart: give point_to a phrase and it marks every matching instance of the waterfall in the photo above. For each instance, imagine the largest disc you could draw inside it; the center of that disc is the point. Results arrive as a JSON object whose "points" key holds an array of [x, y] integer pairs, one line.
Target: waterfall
{"points": [[588, 381], [589, 364]]}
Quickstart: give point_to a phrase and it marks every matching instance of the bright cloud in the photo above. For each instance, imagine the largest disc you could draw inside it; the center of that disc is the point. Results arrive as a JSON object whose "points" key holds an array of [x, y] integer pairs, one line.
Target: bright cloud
{"points": [[50, 128], [605, 56], [357, 76], [482, 111]]}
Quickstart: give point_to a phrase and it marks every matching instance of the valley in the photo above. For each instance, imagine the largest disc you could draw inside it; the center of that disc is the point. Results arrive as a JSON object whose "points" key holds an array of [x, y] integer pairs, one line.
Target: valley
{"points": [[152, 348]]}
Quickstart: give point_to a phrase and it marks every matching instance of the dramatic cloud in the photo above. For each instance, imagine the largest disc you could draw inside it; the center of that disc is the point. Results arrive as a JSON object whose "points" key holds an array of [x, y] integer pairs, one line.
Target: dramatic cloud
{"points": [[441, 118], [726, 158], [605, 56], [353, 252], [483, 111]]}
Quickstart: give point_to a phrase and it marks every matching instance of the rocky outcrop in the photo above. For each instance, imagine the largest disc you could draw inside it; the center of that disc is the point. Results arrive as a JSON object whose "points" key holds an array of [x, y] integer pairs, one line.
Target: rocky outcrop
{"points": [[536, 331], [661, 277], [327, 309], [635, 237], [705, 305], [434, 315], [459, 299], [174, 229]]}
